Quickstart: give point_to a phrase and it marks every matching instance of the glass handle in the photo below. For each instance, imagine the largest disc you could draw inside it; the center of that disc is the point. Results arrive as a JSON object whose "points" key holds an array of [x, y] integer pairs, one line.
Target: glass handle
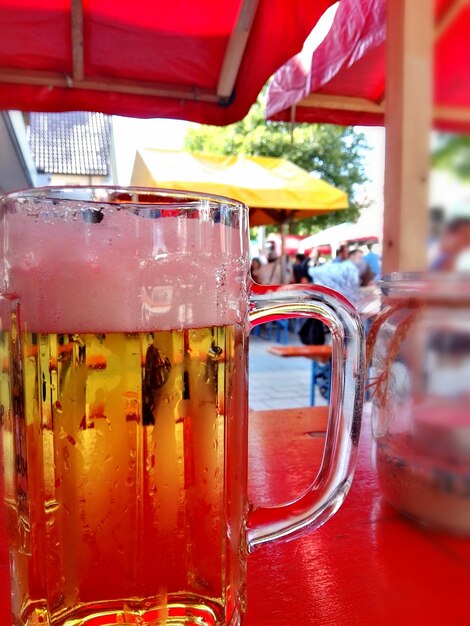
{"points": [[329, 488]]}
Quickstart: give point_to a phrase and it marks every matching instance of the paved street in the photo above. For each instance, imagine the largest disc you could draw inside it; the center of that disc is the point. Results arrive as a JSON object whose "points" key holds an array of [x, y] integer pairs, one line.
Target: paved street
{"points": [[276, 382]]}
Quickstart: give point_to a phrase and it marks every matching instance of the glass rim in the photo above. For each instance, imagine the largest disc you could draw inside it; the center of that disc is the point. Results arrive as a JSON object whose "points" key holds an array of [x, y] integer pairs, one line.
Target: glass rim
{"points": [[124, 195], [432, 285]]}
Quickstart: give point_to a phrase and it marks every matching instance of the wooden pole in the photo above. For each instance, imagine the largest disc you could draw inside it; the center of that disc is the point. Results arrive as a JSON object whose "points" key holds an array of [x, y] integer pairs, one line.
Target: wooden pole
{"points": [[284, 231], [408, 115]]}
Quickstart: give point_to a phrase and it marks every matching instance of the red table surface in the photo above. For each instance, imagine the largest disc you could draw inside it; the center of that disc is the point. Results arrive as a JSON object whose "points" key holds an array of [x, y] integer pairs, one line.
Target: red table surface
{"points": [[365, 566]]}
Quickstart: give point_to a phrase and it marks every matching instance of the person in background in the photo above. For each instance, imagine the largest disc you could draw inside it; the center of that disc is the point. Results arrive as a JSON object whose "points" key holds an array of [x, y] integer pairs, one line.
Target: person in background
{"points": [[365, 273], [300, 269], [437, 224], [374, 261], [342, 276], [314, 258], [254, 268], [454, 247], [342, 253], [271, 273]]}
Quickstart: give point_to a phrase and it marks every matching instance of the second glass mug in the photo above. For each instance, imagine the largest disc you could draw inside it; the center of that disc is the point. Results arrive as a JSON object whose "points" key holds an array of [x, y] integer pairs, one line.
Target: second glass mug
{"points": [[125, 318]]}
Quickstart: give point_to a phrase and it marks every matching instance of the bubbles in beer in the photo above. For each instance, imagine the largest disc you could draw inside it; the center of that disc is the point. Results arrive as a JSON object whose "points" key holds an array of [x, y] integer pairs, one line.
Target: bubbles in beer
{"points": [[93, 216], [213, 355], [214, 352], [157, 371]]}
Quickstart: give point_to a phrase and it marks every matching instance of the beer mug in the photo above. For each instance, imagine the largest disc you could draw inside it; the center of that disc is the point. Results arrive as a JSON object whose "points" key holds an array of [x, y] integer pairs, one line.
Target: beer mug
{"points": [[419, 344], [125, 323]]}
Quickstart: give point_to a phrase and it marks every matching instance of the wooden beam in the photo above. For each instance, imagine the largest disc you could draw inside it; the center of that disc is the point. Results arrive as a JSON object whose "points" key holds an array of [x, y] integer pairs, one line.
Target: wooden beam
{"points": [[143, 88], [409, 93], [236, 48], [349, 103], [341, 103], [76, 16], [444, 22], [451, 114], [449, 16]]}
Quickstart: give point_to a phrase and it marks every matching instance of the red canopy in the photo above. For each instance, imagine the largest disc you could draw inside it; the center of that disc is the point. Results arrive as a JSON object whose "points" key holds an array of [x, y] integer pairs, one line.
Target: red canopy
{"points": [[291, 243], [202, 61], [343, 81]]}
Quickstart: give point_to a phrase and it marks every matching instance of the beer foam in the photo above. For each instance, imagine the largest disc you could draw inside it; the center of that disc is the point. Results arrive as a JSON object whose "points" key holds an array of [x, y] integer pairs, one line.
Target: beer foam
{"points": [[127, 273]]}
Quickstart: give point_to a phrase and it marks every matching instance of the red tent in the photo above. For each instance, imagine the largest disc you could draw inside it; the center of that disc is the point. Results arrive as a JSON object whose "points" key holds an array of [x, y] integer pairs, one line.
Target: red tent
{"points": [[202, 61], [343, 81], [291, 243]]}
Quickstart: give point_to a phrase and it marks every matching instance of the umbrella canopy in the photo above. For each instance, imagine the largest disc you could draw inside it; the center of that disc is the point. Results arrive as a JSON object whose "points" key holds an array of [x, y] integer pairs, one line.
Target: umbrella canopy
{"points": [[202, 61], [343, 80], [347, 232], [275, 189], [292, 243]]}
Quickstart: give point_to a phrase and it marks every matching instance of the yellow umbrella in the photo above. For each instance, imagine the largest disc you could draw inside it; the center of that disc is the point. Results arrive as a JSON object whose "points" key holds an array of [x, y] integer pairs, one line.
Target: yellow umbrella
{"points": [[275, 189]]}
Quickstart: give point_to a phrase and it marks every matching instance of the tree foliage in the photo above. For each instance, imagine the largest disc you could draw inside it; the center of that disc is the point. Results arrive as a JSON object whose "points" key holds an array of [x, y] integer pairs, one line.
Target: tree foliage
{"points": [[333, 153], [452, 153]]}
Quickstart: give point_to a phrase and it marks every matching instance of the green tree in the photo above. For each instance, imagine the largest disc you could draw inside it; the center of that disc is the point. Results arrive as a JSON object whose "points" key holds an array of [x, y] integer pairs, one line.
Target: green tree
{"points": [[333, 153], [452, 153]]}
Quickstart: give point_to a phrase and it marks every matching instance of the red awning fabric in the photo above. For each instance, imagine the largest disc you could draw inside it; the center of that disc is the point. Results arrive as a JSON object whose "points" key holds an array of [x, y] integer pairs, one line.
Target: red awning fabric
{"points": [[201, 61], [291, 243], [343, 80]]}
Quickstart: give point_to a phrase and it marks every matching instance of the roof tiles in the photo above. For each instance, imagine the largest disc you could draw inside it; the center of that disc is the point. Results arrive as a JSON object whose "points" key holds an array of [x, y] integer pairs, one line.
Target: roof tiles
{"points": [[75, 142]]}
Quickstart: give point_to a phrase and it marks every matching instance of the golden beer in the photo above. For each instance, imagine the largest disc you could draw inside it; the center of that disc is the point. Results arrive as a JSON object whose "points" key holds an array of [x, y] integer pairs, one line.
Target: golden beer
{"points": [[117, 494]]}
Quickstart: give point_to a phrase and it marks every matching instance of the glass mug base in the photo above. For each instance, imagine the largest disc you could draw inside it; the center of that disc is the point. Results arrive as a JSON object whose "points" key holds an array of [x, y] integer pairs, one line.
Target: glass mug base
{"points": [[178, 611]]}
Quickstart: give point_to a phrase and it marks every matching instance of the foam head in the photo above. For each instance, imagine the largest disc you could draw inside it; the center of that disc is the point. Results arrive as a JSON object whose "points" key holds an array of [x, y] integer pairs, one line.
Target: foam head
{"points": [[81, 267]]}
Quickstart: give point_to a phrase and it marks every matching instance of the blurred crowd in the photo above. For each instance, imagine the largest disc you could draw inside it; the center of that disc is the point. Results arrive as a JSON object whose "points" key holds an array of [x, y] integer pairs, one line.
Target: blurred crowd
{"points": [[350, 271], [354, 269], [450, 240]]}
